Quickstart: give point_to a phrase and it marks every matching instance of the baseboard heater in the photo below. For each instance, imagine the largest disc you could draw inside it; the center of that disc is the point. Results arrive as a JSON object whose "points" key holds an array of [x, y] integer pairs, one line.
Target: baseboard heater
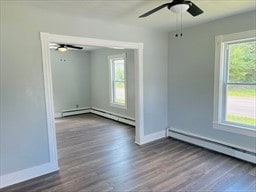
{"points": [[75, 112], [113, 116], [236, 152], [99, 112]]}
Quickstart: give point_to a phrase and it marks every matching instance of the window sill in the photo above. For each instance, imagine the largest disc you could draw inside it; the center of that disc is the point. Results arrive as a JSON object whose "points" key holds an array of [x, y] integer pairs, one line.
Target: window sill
{"points": [[118, 106], [235, 129]]}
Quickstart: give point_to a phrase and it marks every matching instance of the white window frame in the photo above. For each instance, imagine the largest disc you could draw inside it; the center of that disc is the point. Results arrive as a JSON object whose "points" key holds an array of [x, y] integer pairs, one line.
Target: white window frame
{"points": [[110, 59], [219, 80]]}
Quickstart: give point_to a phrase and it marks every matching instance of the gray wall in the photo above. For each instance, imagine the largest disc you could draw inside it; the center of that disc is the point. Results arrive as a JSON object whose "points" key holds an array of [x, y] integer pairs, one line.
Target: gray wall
{"points": [[82, 78], [100, 92], [24, 141], [191, 78], [71, 77]]}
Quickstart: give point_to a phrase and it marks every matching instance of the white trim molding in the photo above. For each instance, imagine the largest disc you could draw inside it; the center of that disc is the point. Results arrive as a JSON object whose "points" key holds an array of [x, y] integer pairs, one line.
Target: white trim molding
{"points": [[233, 37], [153, 137], [112, 58], [235, 129], [26, 174], [139, 95], [57, 115], [215, 145], [47, 38], [220, 78]]}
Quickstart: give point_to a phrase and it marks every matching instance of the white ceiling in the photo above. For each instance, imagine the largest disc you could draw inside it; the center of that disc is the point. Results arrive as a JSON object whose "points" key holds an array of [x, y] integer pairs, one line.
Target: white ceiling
{"points": [[127, 11]]}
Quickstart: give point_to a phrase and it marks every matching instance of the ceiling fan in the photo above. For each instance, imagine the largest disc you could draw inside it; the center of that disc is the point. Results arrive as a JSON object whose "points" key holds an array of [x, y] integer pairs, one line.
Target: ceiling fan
{"points": [[177, 6], [64, 47]]}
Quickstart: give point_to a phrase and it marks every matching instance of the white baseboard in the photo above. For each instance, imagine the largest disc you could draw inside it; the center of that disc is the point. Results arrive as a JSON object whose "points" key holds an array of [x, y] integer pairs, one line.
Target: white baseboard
{"points": [[57, 115], [27, 174], [234, 151], [153, 137]]}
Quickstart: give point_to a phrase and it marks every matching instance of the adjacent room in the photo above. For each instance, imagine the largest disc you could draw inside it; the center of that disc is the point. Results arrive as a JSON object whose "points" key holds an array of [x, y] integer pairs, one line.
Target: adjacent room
{"points": [[116, 96], [93, 80]]}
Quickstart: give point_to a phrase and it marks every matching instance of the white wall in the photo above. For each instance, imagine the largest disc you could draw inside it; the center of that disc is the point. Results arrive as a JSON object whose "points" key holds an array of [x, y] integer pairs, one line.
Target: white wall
{"points": [[71, 77], [191, 78], [100, 81], [24, 142]]}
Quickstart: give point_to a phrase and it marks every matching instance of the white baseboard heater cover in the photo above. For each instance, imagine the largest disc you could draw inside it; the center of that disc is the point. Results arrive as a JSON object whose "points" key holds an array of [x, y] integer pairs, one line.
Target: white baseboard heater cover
{"points": [[75, 112], [213, 145], [113, 116], [100, 112]]}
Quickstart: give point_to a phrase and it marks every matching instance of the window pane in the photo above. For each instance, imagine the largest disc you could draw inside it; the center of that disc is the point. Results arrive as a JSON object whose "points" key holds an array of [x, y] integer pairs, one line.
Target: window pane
{"points": [[119, 70], [119, 93], [241, 104], [242, 62]]}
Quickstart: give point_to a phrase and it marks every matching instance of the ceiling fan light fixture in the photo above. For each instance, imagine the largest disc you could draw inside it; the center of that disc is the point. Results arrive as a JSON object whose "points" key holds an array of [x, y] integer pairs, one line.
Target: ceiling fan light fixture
{"points": [[62, 49], [179, 8]]}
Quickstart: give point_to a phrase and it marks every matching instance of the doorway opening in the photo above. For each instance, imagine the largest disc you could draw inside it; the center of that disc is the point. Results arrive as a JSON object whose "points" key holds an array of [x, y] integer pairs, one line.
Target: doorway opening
{"points": [[46, 39]]}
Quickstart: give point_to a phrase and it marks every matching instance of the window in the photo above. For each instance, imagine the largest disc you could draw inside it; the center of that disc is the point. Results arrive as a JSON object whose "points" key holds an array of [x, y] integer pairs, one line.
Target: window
{"points": [[118, 80], [235, 83]]}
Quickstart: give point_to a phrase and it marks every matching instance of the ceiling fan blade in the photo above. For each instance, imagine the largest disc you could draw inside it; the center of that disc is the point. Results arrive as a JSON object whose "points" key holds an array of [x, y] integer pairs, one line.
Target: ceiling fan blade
{"points": [[74, 47], [154, 10], [194, 10]]}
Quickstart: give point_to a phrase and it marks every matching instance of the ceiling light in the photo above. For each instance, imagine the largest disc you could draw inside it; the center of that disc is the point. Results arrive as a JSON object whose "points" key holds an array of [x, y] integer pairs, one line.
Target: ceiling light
{"points": [[62, 49], [179, 8], [117, 47]]}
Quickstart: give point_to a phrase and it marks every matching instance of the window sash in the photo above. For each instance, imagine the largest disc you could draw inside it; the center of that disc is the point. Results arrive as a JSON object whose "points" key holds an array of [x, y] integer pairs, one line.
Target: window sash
{"points": [[227, 58], [226, 83], [115, 98], [225, 106], [114, 80], [220, 84]]}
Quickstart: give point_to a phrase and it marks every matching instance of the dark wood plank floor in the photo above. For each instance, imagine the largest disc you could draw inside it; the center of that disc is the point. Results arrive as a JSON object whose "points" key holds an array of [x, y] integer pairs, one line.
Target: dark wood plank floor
{"points": [[98, 154]]}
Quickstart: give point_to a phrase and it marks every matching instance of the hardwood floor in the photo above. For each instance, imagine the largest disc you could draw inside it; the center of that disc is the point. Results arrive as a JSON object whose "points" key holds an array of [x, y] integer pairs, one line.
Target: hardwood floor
{"points": [[98, 154]]}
